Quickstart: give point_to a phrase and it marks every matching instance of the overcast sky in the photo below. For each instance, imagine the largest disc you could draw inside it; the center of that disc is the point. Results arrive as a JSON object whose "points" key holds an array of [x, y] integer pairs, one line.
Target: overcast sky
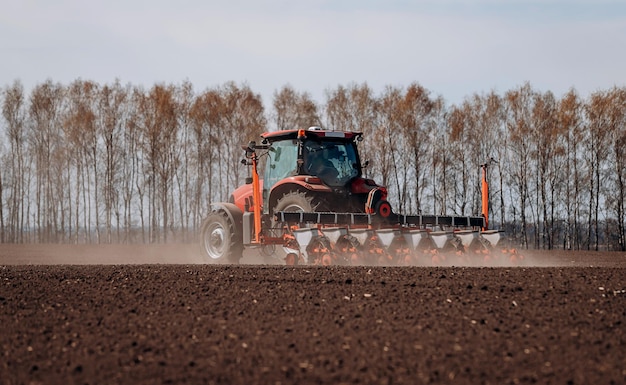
{"points": [[454, 48]]}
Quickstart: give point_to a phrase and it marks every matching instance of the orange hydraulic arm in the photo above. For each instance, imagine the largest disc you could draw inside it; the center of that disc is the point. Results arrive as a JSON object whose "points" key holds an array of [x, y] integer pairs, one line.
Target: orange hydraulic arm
{"points": [[485, 196], [256, 189], [256, 197], [485, 192]]}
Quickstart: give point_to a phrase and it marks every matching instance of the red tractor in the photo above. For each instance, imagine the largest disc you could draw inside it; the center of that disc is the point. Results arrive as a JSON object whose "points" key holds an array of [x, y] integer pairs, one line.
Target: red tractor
{"points": [[314, 202]]}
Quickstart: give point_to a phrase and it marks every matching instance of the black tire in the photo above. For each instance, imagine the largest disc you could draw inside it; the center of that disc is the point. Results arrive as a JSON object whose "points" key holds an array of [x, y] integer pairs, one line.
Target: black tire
{"points": [[218, 239], [296, 201]]}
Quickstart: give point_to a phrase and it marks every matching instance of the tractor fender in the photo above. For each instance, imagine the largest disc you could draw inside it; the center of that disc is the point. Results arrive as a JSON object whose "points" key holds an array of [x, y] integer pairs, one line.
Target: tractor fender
{"points": [[304, 182], [235, 215], [242, 196]]}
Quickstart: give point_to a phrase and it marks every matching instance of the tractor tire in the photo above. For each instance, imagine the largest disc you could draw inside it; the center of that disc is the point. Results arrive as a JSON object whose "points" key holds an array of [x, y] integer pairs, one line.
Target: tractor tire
{"points": [[296, 201], [218, 239]]}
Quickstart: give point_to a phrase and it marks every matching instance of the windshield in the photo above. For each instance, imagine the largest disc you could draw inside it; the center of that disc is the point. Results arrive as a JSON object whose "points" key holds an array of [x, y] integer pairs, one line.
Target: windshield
{"points": [[334, 162], [282, 162]]}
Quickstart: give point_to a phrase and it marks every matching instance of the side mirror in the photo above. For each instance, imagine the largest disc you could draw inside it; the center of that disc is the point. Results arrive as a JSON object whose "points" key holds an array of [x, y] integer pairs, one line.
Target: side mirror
{"points": [[251, 147]]}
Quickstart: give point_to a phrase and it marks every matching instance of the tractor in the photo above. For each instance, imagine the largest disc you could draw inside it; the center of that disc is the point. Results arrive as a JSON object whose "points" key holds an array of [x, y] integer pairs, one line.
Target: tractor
{"points": [[315, 204]]}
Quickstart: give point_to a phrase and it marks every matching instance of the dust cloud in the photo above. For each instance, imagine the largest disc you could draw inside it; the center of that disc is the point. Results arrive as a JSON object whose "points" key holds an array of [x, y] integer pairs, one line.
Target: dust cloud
{"points": [[178, 253]]}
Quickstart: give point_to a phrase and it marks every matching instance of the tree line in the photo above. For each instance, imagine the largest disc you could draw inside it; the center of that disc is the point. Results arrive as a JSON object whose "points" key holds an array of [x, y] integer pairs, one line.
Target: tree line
{"points": [[92, 163]]}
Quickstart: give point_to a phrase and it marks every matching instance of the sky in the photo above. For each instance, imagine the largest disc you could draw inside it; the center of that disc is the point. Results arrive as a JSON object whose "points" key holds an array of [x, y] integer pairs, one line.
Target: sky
{"points": [[454, 48]]}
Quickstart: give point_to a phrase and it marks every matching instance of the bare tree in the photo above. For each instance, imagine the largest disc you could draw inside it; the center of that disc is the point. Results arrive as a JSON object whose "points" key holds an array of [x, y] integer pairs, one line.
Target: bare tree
{"points": [[620, 172], [44, 136], [569, 118], [614, 180], [132, 180], [599, 133], [518, 104], [414, 114], [205, 119], [294, 110], [157, 123], [465, 159], [390, 153], [184, 174], [83, 154], [112, 114], [441, 158], [13, 111], [548, 151]]}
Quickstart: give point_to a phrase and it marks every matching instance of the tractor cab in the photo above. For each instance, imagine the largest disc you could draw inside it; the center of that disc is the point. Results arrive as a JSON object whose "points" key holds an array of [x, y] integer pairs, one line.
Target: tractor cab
{"points": [[325, 163], [322, 166], [334, 162]]}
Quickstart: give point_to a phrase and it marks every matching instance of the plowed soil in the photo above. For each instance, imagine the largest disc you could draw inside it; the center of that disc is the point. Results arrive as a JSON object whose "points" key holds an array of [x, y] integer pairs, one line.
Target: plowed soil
{"points": [[157, 315]]}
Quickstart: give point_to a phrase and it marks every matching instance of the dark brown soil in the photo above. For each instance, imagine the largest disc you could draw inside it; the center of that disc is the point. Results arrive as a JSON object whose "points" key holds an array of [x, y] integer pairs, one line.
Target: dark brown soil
{"points": [[162, 322]]}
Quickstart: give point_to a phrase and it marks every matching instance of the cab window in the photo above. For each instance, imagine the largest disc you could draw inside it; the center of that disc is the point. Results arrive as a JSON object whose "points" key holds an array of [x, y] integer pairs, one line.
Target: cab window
{"points": [[282, 162]]}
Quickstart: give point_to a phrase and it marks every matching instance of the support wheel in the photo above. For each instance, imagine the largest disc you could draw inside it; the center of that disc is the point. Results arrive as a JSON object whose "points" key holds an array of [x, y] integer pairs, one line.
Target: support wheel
{"points": [[219, 241]]}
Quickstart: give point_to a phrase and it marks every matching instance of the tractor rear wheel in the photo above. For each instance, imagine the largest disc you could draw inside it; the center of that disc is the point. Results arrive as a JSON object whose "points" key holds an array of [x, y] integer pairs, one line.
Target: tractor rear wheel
{"points": [[218, 242], [295, 201]]}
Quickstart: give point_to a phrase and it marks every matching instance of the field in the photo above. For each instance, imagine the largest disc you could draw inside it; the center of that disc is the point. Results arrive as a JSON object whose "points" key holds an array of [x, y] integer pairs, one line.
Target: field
{"points": [[155, 314]]}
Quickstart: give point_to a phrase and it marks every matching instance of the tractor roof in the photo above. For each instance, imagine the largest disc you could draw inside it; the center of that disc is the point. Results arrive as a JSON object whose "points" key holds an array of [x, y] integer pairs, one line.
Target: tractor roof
{"points": [[312, 132]]}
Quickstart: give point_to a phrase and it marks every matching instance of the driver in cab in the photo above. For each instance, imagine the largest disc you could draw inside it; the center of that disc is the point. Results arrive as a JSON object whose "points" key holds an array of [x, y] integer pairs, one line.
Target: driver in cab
{"points": [[318, 163]]}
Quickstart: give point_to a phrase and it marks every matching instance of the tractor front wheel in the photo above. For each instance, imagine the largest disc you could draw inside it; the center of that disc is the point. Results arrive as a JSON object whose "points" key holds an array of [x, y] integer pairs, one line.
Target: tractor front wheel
{"points": [[218, 242]]}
